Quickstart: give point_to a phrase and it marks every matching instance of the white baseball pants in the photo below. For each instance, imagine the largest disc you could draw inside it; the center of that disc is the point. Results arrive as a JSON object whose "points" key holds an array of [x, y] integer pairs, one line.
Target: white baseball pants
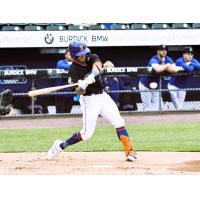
{"points": [[177, 97], [95, 105], [150, 99]]}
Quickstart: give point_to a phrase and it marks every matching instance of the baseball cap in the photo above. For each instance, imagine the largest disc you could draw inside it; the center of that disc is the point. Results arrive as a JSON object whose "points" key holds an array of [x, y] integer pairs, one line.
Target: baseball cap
{"points": [[188, 50], [78, 49], [67, 50], [162, 47]]}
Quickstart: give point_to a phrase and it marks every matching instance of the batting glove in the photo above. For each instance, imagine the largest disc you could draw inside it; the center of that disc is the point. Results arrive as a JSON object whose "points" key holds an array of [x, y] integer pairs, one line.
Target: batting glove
{"points": [[82, 84]]}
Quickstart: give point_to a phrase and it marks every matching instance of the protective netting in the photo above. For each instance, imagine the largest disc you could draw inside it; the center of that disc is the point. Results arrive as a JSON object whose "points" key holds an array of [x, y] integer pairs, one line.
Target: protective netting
{"points": [[127, 94]]}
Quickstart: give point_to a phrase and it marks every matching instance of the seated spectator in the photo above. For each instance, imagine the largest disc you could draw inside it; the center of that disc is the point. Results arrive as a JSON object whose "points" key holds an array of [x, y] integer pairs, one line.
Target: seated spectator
{"points": [[188, 63], [64, 103]]}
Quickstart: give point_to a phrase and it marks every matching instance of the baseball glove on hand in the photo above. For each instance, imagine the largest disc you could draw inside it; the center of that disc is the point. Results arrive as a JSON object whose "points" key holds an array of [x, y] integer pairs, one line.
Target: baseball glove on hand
{"points": [[5, 102]]}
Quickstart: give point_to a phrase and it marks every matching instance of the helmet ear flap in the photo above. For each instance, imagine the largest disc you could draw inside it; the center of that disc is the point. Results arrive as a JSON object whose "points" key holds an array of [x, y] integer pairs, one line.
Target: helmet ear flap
{"points": [[72, 54]]}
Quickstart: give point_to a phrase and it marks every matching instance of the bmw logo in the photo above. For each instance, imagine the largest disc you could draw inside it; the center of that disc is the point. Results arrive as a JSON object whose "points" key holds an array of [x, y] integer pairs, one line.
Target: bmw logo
{"points": [[49, 38]]}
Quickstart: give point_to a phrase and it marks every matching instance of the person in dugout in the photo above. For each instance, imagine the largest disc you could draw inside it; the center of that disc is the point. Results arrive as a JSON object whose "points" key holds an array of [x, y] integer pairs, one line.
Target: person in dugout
{"points": [[5, 102], [112, 84], [64, 102]]}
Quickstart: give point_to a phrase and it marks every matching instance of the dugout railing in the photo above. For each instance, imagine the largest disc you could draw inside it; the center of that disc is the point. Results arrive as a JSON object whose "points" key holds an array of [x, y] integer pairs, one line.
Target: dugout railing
{"points": [[128, 98]]}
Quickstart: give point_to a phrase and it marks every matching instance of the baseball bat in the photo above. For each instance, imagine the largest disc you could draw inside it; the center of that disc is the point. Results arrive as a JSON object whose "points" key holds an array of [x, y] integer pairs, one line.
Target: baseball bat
{"points": [[50, 89]]}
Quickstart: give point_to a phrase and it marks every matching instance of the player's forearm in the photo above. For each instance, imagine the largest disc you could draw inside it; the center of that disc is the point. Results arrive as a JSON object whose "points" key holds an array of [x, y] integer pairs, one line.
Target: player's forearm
{"points": [[159, 68], [90, 78], [187, 68], [196, 65], [172, 69], [98, 67], [96, 70]]}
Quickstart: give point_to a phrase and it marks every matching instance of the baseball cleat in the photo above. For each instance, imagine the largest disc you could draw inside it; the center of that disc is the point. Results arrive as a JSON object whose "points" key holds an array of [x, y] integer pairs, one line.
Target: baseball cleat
{"points": [[54, 150], [131, 157]]}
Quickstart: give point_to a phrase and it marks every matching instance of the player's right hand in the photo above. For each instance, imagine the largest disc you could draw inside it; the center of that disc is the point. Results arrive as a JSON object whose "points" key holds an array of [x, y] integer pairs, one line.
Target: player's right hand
{"points": [[82, 84]]}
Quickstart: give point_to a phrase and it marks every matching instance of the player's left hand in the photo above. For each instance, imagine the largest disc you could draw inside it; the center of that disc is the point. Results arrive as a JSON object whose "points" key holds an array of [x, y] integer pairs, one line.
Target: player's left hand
{"points": [[82, 84]]}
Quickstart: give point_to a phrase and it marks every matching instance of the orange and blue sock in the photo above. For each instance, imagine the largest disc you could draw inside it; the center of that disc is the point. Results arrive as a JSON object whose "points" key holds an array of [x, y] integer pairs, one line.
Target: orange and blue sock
{"points": [[123, 136]]}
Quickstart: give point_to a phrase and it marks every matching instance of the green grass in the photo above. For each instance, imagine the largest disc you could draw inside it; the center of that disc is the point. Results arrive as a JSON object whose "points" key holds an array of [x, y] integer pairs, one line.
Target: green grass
{"points": [[145, 137]]}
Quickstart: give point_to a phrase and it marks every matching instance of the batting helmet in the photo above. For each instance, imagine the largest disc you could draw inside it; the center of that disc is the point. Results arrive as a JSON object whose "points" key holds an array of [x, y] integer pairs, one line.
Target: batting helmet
{"points": [[78, 49]]}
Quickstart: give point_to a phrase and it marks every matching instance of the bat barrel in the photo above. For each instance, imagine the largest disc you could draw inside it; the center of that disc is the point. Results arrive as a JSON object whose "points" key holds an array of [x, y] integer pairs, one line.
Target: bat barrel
{"points": [[49, 90]]}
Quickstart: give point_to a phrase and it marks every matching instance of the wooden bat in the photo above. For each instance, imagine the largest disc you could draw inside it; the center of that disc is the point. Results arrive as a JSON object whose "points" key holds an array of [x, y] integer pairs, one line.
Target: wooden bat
{"points": [[50, 89]]}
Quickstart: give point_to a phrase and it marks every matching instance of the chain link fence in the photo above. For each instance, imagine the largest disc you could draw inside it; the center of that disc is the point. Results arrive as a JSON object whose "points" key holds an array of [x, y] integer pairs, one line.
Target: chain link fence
{"points": [[127, 99]]}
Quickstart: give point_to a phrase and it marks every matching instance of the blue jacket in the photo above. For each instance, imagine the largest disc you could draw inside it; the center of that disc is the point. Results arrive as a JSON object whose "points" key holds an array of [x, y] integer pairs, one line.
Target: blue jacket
{"points": [[146, 80], [63, 64], [182, 81], [112, 83]]}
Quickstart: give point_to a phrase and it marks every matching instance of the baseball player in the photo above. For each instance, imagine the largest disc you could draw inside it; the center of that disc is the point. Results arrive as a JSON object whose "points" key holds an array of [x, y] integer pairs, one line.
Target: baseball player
{"points": [[85, 70], [188, 63], [158, 63]]}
